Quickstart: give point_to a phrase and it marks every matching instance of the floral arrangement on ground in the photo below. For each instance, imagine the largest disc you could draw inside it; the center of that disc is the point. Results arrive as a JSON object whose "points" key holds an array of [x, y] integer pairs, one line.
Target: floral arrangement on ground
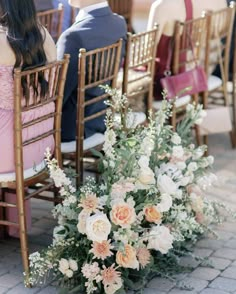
{"points": [[135, 223]]}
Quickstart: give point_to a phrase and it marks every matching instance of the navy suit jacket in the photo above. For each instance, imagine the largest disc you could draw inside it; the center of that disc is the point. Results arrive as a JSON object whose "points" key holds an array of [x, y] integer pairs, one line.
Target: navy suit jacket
{"points": [[99, 28]]}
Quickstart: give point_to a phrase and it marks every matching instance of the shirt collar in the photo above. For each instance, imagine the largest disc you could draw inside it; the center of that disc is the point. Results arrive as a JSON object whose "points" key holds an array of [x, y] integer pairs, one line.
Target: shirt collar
{"points": [[86, 10]]}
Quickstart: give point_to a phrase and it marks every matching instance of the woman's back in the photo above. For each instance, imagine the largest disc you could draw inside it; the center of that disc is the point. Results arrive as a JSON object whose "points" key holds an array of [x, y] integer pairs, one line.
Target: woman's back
{"points": [[33, 154]]}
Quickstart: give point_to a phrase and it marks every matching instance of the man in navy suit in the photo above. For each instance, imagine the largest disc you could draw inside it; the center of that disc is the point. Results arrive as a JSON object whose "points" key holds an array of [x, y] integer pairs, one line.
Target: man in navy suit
{"points": [[96, 26]]}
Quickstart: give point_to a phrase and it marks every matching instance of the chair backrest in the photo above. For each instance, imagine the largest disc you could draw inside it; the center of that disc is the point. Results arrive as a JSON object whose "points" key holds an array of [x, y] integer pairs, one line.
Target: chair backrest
{"points": [[219, 40], [234, 85], [31, 99], [139, 64], [95, 67], [52, 19], [189, 44], [124, 8]]}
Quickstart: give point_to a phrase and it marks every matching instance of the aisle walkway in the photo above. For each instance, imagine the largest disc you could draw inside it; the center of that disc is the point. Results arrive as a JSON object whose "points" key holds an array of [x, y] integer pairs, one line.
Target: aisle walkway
{"points": [[219, 278]]}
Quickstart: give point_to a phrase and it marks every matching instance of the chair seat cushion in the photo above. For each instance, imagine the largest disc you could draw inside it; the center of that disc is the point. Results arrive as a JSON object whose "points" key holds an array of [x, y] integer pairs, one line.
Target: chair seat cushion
{"points": [[178, 103], [133, 119], [214, 82], [136, 83], [212, 123], [28, 173], [91, 142]]}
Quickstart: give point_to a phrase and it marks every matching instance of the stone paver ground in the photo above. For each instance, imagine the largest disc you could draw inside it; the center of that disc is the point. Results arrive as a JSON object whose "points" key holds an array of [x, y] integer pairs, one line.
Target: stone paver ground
{"points": [[217, 276]]}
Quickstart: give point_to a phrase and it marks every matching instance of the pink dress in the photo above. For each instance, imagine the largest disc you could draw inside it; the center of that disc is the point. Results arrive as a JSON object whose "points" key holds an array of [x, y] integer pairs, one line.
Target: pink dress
{"points": [[33, 154]]}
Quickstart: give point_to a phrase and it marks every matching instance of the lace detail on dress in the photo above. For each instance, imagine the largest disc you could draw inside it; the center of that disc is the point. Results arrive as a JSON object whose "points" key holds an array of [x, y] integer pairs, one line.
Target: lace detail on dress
{"points": [[6, 87]]}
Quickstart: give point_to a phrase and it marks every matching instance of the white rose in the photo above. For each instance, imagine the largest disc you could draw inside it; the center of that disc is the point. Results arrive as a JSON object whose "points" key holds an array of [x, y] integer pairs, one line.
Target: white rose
{"points": [[73, 265], [146, 176], [166, 202], [166, 185], [178, 151], [181, 165], [143, 161], [98, 227], [69, 273], [63, 265], [179, 194], [192, 166], [176, 139], [160, 239], [184, 181]]}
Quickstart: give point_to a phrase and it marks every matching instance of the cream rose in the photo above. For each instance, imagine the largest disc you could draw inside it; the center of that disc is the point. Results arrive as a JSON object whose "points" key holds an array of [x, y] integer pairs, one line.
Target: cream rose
{"points": [[146, 176], [123, 214], [73, 265], [160, 239], [166, 185], [81, 226], [127, 258], [63, 265], [98, 227]]}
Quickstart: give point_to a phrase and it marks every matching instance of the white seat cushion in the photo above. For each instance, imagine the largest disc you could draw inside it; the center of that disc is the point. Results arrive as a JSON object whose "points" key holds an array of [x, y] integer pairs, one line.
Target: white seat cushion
{"points": [[213, 83], [10, 177], [216, 121], [133, 119], [91, 142], [178, 103]]}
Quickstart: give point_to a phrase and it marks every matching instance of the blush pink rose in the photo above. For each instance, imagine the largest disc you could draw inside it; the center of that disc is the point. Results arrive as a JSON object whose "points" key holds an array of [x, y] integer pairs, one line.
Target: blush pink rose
{"points": [[123, 214]]}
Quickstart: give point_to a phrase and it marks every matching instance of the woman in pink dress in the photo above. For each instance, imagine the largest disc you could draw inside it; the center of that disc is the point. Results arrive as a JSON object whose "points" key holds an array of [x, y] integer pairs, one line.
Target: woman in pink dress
{"points": [[165, 13], [24, 42]]}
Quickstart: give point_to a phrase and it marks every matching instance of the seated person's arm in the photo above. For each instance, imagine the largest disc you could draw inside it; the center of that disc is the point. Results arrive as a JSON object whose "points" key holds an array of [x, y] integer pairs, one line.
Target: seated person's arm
{"points": [[69, 43]]}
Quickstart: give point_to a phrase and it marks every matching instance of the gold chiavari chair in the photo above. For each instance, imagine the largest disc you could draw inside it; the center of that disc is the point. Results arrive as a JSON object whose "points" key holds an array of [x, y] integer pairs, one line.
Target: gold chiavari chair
{"points": [[138, 71], [55, 74], [216, 99], [124, 8], [95, 67], [189, 41], [52, 19]]}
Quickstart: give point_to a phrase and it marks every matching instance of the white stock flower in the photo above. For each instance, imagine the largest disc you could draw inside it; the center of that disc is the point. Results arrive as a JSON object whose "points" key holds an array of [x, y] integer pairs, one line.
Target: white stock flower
{"points": [[166, 185], [176, 139], [59, 233], [210, 160], [178, 151], [160, 239], [98, 227], [147, 146], [166, 202], [202, 114], [192, 166]]}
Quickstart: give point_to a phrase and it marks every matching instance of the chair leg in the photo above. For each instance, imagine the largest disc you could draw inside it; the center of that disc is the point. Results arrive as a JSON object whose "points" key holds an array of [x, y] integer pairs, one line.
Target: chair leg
{"points": [[23, 233], [197, 134], [233, 138]]}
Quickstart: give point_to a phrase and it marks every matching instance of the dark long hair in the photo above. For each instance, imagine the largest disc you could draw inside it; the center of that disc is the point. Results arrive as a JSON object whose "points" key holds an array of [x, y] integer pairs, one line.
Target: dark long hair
{"points": [[24, 34]]}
